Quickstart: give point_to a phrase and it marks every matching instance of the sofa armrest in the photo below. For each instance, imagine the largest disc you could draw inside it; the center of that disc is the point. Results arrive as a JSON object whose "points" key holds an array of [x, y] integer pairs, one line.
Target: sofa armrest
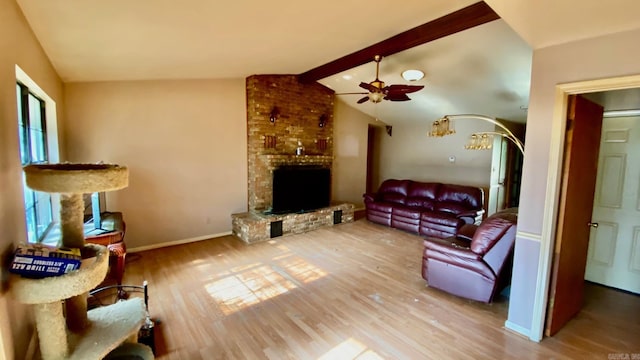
{"points": [[370, 197], [471, 216], [451, 246]]}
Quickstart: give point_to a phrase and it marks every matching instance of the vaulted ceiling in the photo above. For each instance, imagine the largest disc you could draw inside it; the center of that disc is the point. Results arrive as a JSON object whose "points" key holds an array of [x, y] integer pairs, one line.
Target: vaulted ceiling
{"points": [[163, 39]]}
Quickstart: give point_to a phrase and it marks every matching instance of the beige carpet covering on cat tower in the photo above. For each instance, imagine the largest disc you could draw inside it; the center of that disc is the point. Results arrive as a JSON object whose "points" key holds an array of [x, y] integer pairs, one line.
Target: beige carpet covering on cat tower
{"points": [[77, 333]]}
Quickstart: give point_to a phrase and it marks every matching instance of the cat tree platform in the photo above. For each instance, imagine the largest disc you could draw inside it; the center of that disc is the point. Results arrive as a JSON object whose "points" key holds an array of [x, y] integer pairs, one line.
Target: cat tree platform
{"points": [[66, 330], [108, 326]]}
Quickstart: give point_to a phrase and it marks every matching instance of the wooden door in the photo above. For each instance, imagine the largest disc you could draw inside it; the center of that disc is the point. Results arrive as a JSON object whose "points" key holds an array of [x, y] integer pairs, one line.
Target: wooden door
{"points": [[614, 245], [584, 124]]}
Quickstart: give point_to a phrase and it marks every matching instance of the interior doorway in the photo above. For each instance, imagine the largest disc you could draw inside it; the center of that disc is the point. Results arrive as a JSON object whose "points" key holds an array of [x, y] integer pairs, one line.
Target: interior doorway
{"points": [[613, 258], [615, 263], [373, 158]]}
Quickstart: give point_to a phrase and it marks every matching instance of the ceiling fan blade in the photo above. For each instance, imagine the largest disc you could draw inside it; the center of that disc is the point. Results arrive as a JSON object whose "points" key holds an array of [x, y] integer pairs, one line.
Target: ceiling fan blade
{"points": [[403, 89], [397, 97], [363, 100], [352, 93], [369, 87]]}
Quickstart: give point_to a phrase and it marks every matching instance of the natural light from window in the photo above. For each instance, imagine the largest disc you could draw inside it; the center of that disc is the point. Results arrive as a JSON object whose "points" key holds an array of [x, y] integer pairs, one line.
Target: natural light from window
{"points": [[247, 285], [350, 349], [38, 139]]}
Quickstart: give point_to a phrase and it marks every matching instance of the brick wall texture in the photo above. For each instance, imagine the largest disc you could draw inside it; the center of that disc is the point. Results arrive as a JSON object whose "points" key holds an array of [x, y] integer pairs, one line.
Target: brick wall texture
{"points": [[300, 110]]}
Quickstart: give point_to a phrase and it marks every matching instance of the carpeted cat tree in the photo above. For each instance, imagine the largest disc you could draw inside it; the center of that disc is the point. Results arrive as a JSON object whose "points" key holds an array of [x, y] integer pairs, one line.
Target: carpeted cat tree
{"points": [[66, 330]]}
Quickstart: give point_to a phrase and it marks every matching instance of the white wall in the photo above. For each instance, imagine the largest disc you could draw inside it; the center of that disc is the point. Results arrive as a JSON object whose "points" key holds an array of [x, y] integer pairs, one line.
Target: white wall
{"points": [[18, 46], [349, 179], [408, 154], [597, 58], [184, 142], [411, 154]]}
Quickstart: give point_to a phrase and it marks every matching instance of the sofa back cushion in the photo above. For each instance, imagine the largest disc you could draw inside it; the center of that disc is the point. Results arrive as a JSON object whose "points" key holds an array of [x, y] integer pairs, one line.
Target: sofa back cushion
{"points": [[394, 191], [422, 195], [459, 198], [490, 231]]}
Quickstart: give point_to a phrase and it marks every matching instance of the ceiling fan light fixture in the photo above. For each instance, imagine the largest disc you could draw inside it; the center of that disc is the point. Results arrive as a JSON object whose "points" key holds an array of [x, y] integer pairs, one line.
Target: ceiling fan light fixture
{"points": [[376, 97], [412, 75]]}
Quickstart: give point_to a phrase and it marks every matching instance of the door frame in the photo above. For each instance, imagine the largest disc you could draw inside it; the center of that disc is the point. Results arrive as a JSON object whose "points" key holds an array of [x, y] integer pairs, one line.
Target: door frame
{"points": [[554, 181]]}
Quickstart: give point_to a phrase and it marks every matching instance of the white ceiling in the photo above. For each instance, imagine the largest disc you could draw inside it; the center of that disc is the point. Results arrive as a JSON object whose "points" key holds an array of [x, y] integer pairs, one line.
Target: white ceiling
{"points": [[484, 70], [543, 23], [96, 40]]}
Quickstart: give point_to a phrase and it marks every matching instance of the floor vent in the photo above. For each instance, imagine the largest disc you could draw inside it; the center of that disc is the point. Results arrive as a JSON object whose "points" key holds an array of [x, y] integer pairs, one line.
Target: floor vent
{"points": [[276, 228], [337, 217]]}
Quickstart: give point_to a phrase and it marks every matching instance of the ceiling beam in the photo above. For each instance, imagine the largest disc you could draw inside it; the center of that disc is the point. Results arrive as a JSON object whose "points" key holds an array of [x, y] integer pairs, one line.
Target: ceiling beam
{"points": [[463, 19]]}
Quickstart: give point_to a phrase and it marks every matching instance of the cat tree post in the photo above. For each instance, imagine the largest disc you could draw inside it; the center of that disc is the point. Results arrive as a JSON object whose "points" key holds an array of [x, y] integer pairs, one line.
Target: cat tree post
{"points": [[72, 230]]}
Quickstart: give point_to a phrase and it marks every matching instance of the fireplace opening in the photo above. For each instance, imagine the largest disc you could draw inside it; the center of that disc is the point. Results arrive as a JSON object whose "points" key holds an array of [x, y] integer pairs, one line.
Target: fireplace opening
{"points": [[300, 188]]}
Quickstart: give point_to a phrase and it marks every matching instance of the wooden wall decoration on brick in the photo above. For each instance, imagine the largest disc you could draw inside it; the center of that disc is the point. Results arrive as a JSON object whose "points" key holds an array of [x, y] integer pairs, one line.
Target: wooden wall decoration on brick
{"points": [[270, 141], [321, 144]]}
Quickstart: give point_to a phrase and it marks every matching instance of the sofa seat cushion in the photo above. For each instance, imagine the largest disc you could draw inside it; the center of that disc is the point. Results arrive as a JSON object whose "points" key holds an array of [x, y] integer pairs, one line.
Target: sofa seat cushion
{"points": [[407, 212], [437, 231], [393, 198], [444, 219], [384, 207]]}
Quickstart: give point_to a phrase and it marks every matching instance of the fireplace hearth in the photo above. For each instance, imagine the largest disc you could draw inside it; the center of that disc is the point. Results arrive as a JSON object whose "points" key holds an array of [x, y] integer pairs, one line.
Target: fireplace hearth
{"points": [[254, 226]]}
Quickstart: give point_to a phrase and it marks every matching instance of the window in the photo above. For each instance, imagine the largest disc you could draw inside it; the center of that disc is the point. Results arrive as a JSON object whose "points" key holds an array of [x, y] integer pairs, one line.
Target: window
{"points": [[33, 150]]}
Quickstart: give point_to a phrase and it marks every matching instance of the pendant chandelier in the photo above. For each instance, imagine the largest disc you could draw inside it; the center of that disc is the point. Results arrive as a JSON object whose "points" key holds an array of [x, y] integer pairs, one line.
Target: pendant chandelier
{"points": [[479, 140]]}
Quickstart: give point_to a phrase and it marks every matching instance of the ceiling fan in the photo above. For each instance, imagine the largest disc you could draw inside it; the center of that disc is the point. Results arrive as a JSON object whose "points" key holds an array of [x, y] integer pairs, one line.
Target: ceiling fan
{"points": [[378, 91]]}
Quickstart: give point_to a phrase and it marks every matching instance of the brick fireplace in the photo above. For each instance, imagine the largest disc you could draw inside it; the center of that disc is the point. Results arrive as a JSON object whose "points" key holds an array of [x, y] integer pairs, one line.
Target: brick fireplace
{"points": [[282, 114]]}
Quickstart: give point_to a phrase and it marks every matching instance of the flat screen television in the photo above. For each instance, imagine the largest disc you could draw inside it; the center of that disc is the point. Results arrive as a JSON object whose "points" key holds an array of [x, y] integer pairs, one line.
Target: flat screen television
{"points": [[300, 188]]}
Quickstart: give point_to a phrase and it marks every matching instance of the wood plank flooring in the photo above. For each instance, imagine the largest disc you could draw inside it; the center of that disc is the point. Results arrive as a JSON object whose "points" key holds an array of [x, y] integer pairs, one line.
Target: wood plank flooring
{"points": [[351, 291]]}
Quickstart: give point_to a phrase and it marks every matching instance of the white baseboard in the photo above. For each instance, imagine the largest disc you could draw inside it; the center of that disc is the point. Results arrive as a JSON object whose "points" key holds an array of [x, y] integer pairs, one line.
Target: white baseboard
{"points": [[517, 328], [176, 242]]}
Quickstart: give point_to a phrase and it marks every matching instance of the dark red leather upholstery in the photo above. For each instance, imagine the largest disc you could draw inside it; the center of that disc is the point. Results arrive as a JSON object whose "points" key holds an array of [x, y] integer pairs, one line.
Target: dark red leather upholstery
{"points": [[430, 209], [475, 269]]}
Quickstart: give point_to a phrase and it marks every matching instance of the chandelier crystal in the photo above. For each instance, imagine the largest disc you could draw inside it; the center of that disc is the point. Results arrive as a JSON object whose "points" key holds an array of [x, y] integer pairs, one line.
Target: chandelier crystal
{"points": [[480, 141], [442, 127]]}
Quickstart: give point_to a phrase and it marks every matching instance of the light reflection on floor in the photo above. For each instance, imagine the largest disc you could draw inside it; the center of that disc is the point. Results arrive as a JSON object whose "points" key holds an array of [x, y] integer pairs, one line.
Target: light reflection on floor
{"points": [[247, 285], [350, 349]]}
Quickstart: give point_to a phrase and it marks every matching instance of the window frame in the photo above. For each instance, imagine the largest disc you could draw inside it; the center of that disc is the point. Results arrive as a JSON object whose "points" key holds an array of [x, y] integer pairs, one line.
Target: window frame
{"points": [[50, 148], [34, 149]]}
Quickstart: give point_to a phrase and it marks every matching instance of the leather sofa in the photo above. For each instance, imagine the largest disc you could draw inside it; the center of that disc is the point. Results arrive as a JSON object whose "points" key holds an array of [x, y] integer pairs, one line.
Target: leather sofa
{"points": [[425, 208], [476, 264]]}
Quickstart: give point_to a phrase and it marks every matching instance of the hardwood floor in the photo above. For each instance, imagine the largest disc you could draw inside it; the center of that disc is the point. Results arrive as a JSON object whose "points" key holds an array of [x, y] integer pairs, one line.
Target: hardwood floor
{"points": [[351, 291]]}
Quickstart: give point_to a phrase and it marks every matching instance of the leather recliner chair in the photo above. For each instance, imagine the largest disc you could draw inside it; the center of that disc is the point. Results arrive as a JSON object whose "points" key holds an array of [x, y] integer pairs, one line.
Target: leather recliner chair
{"points": [[476, 263]]}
